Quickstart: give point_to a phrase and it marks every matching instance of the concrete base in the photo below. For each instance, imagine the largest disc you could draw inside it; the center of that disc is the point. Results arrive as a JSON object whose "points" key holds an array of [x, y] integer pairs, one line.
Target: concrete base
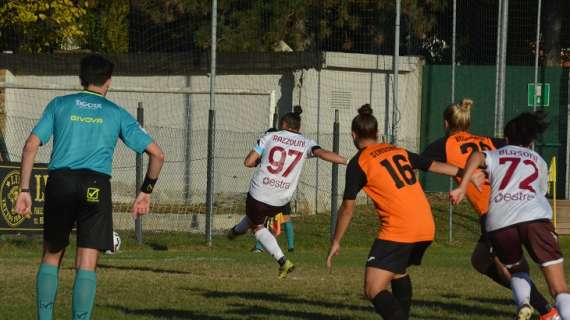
{"points": [[194, 223]]}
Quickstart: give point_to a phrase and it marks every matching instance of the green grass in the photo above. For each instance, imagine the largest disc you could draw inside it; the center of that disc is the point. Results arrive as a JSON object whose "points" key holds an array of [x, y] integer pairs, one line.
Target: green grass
{"points": [[175, 276]]}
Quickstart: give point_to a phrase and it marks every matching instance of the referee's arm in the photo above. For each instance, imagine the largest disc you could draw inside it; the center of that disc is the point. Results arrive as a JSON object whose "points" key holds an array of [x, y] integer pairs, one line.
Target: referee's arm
{"points": [[24, 203]]}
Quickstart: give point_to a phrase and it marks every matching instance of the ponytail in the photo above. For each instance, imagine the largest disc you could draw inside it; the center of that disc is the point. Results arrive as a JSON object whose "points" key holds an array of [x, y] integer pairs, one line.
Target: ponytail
{"points": [[458, 115]]}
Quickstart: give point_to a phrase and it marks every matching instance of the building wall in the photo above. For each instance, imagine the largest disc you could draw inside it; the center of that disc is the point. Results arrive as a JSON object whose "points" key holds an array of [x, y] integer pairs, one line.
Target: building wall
{"points": [[346, 82]]}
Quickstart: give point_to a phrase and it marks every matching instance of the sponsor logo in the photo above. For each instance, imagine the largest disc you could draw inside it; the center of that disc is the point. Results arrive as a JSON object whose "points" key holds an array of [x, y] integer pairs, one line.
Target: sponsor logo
{"points": [[9, 190], [87, 105], [371, 258], [276, 183], [86, 119], [519, 196], [93, 194]]}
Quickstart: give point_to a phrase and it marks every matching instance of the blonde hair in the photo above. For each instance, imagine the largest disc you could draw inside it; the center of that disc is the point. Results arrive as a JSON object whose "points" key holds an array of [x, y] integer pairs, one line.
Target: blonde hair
{"points": [[458, 115]]}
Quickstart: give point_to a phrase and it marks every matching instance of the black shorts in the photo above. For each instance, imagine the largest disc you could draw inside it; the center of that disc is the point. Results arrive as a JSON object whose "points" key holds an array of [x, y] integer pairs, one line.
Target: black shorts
{"points": [[80, 198], [538, 237], [396, 257], [258, 211]]}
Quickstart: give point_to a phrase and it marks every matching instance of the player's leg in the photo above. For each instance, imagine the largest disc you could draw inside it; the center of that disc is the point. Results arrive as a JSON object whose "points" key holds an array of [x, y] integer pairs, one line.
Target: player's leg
{"points": [[488, 264], [376, 282], [94, 234], [58, 222], [271, 246], [508, 248], [543, 246], [289, 228], [246, 223]]}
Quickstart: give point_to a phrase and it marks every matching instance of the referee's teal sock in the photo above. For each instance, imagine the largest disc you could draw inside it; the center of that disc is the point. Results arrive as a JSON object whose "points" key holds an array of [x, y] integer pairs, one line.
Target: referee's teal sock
{"points": [[290, 231], [83, 294], [46, 289]]}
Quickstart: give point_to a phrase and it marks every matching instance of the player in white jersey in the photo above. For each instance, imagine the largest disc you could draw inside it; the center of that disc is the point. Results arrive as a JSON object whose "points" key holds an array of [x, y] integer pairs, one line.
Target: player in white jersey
{"points": [[519, 213], [278, 157]]}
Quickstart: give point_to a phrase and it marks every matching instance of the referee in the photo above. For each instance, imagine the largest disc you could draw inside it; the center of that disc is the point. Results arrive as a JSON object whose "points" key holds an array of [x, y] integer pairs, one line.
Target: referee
{"points": [[85, 127]]}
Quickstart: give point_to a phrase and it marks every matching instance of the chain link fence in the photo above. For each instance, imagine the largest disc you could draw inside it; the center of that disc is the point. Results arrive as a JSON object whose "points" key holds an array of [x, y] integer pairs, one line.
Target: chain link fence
{"points": [[324, 55]]}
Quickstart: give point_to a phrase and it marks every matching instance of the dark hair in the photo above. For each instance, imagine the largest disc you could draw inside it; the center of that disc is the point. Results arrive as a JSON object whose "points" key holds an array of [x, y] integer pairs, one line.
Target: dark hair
{"points": [[525, 128], [365, 125], [95, 70], [293, 119]]}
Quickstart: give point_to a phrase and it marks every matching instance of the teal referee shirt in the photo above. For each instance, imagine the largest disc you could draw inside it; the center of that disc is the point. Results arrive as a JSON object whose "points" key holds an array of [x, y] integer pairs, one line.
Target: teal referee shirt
{"points": [[85, 128]]}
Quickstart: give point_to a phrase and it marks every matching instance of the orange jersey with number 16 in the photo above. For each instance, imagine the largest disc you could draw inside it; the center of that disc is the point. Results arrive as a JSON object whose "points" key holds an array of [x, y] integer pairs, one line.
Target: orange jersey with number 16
{"points": [[386, 173]]}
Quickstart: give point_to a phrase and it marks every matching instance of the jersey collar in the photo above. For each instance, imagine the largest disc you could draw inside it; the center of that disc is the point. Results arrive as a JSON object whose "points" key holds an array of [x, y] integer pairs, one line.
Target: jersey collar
{"points": [[93, 93]]}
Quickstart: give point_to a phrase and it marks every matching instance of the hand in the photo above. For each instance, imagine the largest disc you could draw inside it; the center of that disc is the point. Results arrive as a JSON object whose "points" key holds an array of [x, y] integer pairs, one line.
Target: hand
{"points": [[335, 248], [141, 205], [478, 178], [457, 195], [24, 205]]}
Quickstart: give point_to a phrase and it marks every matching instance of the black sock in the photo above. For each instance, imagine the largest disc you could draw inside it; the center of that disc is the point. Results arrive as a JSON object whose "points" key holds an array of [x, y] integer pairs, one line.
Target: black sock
{"points": [[537, 300], [282, 261], [388, 307], [402, 290], [493, 273]]}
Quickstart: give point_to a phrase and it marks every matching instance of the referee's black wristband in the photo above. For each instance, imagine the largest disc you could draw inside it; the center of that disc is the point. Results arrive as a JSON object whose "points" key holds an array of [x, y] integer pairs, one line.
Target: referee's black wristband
{"points": [[460, 173], [148, 185]]}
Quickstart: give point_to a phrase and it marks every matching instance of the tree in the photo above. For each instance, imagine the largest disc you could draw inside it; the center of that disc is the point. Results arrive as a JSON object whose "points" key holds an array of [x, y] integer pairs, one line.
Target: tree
{"points": [[43, 25], [106, 26], [250, 26]]}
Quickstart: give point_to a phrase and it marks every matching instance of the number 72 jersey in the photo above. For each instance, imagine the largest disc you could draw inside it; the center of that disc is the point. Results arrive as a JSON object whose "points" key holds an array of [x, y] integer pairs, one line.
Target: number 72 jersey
{"points": [[277, 175], [519, 182]]}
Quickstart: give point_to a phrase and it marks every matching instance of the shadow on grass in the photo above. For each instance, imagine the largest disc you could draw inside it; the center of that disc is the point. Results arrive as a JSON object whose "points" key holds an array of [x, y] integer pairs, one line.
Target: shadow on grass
{"points": [[495, 301], [140, 268], [158, 246], [457, 308], [261, 312], [452, 308], [281, 298], [165, 313]]}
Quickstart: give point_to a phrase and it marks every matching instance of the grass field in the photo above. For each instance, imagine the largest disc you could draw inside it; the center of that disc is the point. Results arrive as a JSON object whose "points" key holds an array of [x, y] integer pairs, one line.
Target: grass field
{"points": [[175, 276]]}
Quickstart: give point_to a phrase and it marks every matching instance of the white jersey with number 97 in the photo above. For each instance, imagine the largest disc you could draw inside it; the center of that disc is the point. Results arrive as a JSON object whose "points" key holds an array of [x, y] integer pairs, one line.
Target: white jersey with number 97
{"points": [[519, 183], [277, 175]]}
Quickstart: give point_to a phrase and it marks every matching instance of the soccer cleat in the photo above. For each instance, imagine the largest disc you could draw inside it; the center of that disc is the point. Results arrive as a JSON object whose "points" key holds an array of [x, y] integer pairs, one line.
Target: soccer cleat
{"points": [[551, 315], [285, 269], [255, 249], [524, 312]]}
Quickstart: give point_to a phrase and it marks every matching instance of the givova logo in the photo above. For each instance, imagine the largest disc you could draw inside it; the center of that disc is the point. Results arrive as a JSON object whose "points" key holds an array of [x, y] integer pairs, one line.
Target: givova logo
{"points": [[87, 105], [76, 118]]}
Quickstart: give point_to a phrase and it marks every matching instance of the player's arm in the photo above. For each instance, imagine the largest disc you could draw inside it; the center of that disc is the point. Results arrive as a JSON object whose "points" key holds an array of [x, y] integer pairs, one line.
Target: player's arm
{"points": [[328, 155], [354, 182], [476, 160], [422, 163], [435, 151], [252, 158], [24, 202]]}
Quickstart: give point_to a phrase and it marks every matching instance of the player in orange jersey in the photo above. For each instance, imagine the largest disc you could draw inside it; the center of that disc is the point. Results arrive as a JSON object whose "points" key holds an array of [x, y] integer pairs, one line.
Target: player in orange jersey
{"points": [[386, 173], [455, 148]]}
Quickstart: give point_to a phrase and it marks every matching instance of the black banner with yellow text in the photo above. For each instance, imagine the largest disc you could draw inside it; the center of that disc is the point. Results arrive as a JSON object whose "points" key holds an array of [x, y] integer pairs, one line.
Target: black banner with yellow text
{"points": [[11, 222]]}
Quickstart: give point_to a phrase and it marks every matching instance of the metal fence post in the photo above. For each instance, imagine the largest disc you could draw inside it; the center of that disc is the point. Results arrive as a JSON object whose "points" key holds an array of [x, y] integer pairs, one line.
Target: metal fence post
{"points": [[139, 176], [211, 130], [334, 182]]}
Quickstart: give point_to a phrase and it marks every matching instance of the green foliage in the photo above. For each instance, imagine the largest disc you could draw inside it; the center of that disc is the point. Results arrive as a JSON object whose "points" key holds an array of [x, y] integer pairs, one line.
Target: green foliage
{"points": [[44, 25], [106, 26]]}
